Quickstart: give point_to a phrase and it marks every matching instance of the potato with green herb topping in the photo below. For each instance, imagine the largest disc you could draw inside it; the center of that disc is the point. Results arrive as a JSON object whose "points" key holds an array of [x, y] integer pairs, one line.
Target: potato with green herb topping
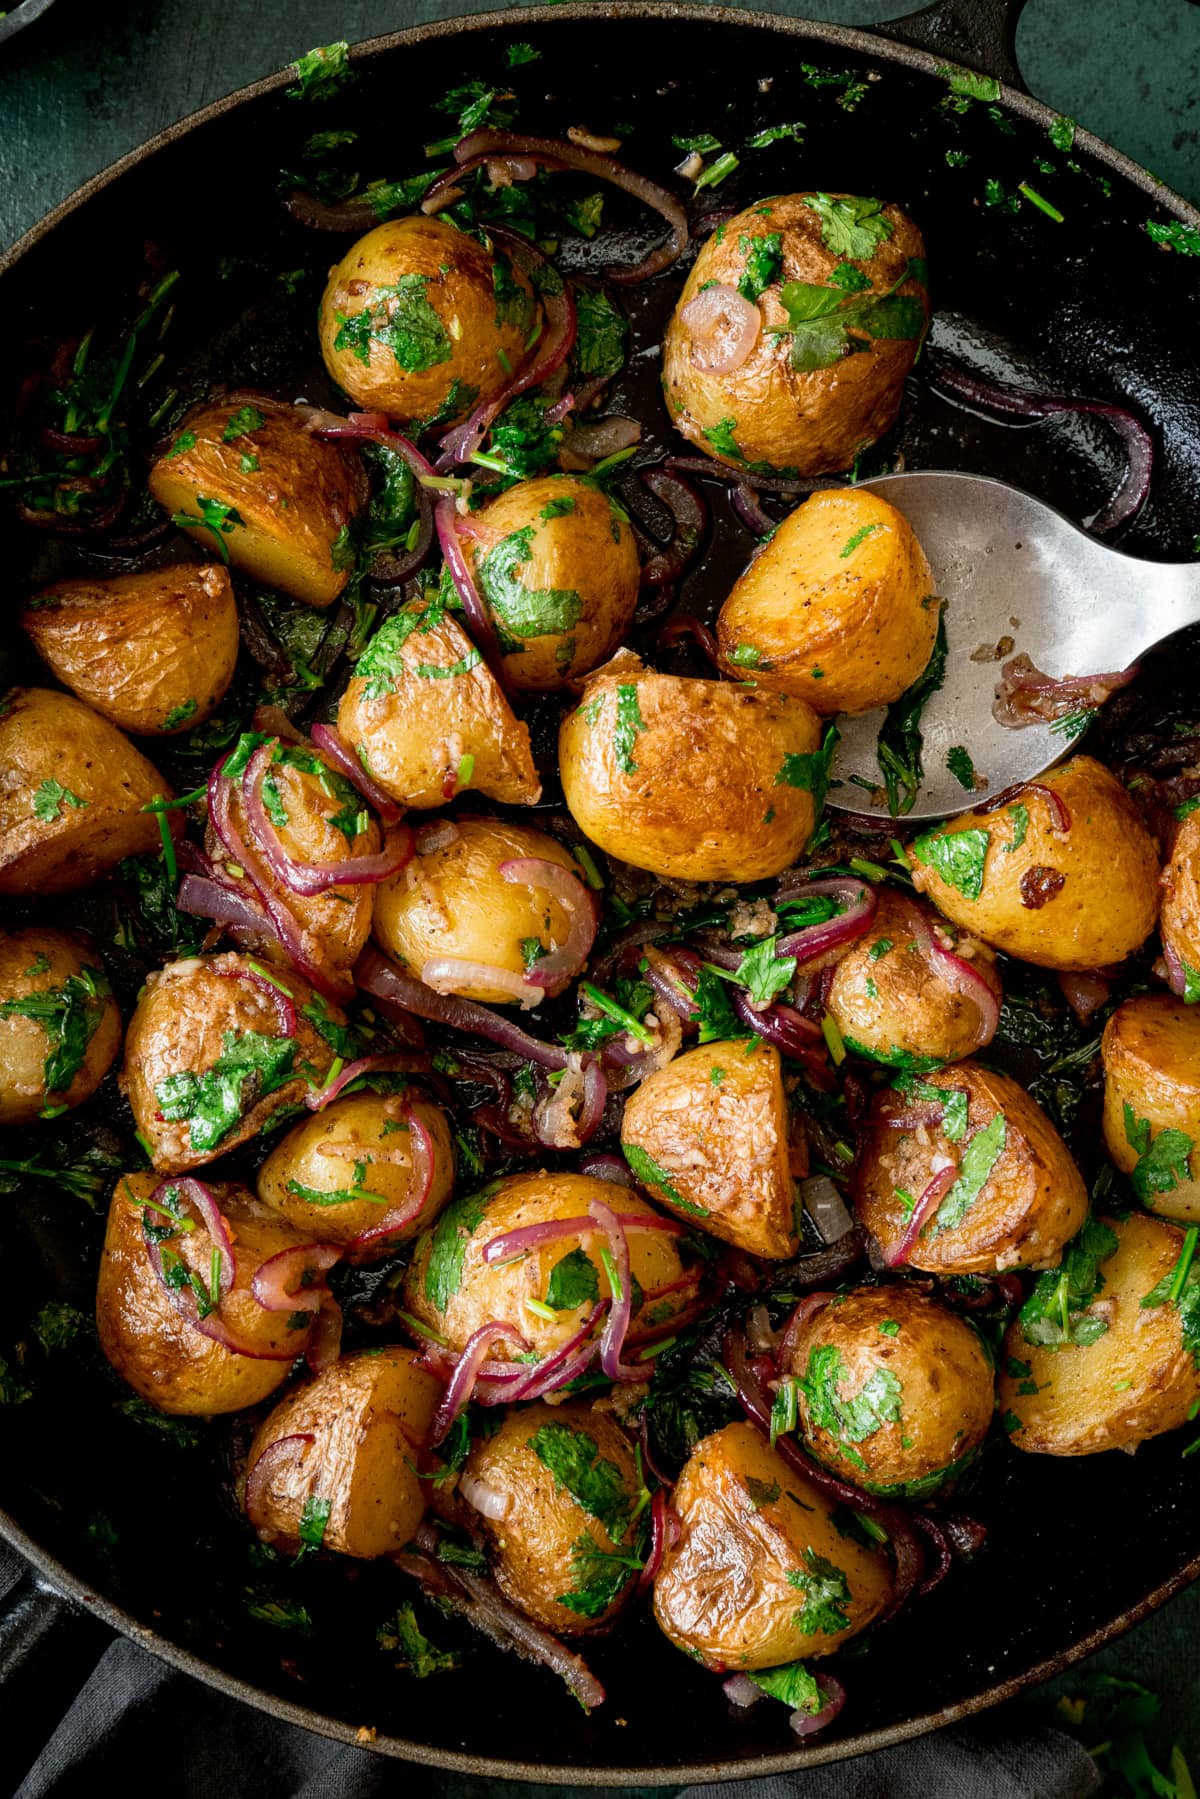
{"points": [[692, 780], [1064, 875], [894, 1392], [708, 1137], [428, 719], [556, 564], [761, 1572], [335, 1464], [559, 1499], [967, 1152], [1180, 921], [422, 321], [1105, 1351], [60, 1027], [153, 652], [1151, 1051], [789, 345], [246, 477]]}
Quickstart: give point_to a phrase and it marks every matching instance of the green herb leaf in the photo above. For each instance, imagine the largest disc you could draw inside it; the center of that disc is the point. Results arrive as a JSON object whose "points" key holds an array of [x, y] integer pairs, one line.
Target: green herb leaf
{"points": [[417, 1653], [246, 418], [601, 1575], [321, 72], [878, 1402], [851, 226], [970, 85], [400, 318], [826, 1595], [629, 724], [978, 1160], [1162, 1162], [314, 1516], [448, 1246], [793, 1686], [647, 1171], [763, 973], [250, 1067], [69, 1016], [899, 744], [573, 1282], [717, 171], [600, 333], [958, 857], [958, 761], [1056, 1310], [719, 1023], [1175, 236], [524, 611], [50, 799], [764, 261], [594, 1483], [811, 772]]}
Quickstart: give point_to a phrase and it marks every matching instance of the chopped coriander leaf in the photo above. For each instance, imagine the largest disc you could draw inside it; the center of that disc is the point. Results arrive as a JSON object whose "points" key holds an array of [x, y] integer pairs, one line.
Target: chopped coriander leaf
{"points": [[979, 1158], [400, 318], [600, 332], [1163, 1163], [214, 516], [849, 279], [826, 1595], [314, 1516], [764, 973], [573, 1282], [524, 611], [880, 948], [647, 1171], [1056, 1310], [890, 1327], [899, 747], [960, 765], [851, 226], [793, 1686], [853, 1420], [595, 1483], [811, 772], [705, 144], [860, 536], [600, 1574], [250, 1067], [954, 1103], [628, 726], [969, 85], [1020, 818], [771, 134], [183, 443], [448, 1247], [50, 799], [516, 54], [69, 1016], [1180, 1287], [321, 72], [1061, 132], [763, 263], [1175, 236], [246, 418], [719, 1023], [417, 1653], [958, 857], [179, 715]]}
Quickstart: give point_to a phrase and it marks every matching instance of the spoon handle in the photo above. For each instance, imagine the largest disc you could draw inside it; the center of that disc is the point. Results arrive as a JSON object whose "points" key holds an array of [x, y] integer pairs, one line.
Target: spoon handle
{"points": [[1169, 601]]}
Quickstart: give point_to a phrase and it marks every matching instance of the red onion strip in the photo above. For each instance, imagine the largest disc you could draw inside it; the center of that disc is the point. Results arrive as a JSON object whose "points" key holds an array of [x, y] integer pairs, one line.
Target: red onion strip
{"points": [[935, 1191], [690, 513], [284, 1283], [554, 969], [664, 1533], [333, 745], [526, 1237], [259, 1474], [316, 1099], [445, 517], [834, 1693], [616, 1325], [376, 975], [424, 1159], [310, 878], [466, 1370]]}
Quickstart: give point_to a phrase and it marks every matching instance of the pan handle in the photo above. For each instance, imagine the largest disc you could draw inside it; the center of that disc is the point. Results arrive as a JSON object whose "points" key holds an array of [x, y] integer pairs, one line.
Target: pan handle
{"points": [[48, 1647], [979, 34]]}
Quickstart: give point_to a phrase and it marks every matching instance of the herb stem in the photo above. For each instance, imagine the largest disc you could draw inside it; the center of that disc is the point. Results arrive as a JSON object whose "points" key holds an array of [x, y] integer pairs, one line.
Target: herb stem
{"points": [[617, 1013]]}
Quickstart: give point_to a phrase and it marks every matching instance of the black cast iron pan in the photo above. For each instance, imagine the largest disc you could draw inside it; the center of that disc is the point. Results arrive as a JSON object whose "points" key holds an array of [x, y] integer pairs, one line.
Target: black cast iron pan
{"points": [[114, 1515]]}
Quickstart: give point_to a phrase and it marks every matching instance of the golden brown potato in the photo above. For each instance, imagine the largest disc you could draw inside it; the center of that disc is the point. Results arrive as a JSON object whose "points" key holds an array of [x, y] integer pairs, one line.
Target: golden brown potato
{"points": [[556, 564], [560, 1485], [72, 791], [1017, 1196], [707, 1136], [1180, 921], [427, 719], [147, 1333], [270, 496], [827, 275], [60, 1027], [892, 1004], [1081, 898], [760, 1574], [1151, 1050], [1128, 1373], [215, 1051], [342, 1174], [838, 607], [449, 1287], [338, 1456], [693, 780], [153, 652], [453, 906], [894, 1392]]}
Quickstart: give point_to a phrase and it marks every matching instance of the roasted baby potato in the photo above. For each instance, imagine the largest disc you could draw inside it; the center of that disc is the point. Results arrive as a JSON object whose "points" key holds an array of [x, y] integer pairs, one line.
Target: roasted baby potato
{"points": [[893, 1004], [422, 321], [245, 474], [215, 1051], [427, 719], [146, 1332], [707, 1136], [450, 1288], [837, 608], [153, 652], [757, 360], [452, 918], [1180, 921], [351, 1173], [1128, 1371], [72, 792], [338, 1456], [60, 1028], [894, 1392], [556, 1487], [556, 564], [1151, 1050], [1081, 896], [760, 1574], [693, 780], [1016, 1198]]}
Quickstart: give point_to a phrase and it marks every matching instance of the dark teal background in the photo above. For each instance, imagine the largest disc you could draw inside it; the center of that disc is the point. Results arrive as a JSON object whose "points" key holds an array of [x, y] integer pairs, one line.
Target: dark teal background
{"points": [[95, 78]]}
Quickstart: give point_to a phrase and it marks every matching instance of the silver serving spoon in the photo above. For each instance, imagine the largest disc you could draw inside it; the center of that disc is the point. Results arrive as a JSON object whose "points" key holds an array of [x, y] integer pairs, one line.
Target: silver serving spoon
{"points": [[1009, 567]]}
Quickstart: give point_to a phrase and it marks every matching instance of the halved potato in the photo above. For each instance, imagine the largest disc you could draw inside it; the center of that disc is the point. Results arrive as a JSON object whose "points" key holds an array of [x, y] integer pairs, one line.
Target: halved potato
{"points": [[1180, 921], [60, 1027], [1151, 1050]]}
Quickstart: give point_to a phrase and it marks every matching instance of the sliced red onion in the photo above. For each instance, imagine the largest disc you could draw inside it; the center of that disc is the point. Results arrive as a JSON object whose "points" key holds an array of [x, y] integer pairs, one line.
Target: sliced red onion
{"points": [[626, 1061], [257, 1478], [526, 1237], [394, 1062], [1025, 696], [335, 747], [664, 1533], [1061, 819], [759, 523], [1176, 972], [584, 445], [741, 1691], [485, 1500], [936, 1190], [665, 975], [616, 1325], [936, 1537], [690, 513], [779, 1024], [280, 999], [717, 471], [310, 878], [611, 1168], [1084, 993], [568, 1114], [723, 328], [966, 1536], [466, 1371], [457, 561], [859, 902], [554, 969], [567, 1363], [955, 972], [834, 1694], [686, 624], [376, 975], [424, 1160], [285, 1283], [439, 834], [204, 896], [809, 1306], [356, 213], [449, 974], [325, 1338], [203, 1199], [183, 1298]]}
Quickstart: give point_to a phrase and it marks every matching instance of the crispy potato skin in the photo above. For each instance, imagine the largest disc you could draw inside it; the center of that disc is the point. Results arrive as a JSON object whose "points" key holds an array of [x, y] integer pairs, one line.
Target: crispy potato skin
{"points": [[531, 1559], [1132, 1383], [722, 1592], [293, 505], [837, 608], [715, 1120], [459, 286], [142, 649], [457, 1304], [24, 1042], [1032, 1203], [808, 423], [1107, 903], [45, 737], [1180, 921], [584, 552], [1151, 1051], [321, 1153], [367, 1416], [179, 1025], [694, 793], [892, 1004], [412, 731], [455, 902], [946, 1394], [153, 1346]]}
